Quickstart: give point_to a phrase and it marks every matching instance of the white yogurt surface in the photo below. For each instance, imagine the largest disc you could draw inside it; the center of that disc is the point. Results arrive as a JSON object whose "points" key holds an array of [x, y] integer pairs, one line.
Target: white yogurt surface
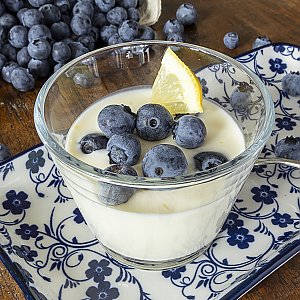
{"points": [[156, 225]]}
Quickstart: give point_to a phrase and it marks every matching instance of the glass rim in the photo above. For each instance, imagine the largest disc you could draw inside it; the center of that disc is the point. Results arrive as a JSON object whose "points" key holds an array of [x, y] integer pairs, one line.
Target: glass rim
{"points": [[147, 182]]}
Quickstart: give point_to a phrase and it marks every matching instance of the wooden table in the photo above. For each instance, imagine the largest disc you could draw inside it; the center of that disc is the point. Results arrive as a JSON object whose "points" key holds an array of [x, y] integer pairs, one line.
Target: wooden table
{"points": [[279, 20]]}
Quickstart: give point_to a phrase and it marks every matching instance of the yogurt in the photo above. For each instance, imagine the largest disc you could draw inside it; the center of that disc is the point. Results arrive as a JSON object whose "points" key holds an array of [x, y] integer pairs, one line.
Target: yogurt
{"points": [[157, 225]]}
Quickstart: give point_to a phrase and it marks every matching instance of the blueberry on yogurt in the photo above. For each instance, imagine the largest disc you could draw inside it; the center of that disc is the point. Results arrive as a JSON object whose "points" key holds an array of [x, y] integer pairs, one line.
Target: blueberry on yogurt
{"points": [[124, 149], [189, 132], [116, 119], [208, 160], [164, 160], [112, 194], [153, 122], [92, 142]]}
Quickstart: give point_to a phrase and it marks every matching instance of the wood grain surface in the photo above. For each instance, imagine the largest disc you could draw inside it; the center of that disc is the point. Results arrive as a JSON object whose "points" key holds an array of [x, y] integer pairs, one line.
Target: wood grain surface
{"points": [[279, 20]]}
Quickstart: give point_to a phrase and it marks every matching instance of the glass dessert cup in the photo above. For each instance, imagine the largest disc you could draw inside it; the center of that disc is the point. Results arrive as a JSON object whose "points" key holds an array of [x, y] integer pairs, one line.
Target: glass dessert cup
{"points": [[149, 237]]}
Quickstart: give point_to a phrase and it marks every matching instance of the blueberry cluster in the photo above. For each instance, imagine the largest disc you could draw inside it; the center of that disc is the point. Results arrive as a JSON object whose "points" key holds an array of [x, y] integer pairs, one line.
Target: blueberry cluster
{"points": [[186, 15], [37, 37], [121, 133]]}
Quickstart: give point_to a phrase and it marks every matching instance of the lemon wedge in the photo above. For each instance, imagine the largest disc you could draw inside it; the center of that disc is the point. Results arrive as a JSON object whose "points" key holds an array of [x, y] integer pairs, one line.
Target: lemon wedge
{"points": [[176, 86]]}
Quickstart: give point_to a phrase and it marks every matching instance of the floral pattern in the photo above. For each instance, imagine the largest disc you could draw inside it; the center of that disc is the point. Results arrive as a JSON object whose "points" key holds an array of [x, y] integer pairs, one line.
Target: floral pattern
{"points": [[44, 234], [282, 220], [103, 291], [263, 194], [276, 65], [35, 160], [27, 231], [98, 270], [285, 123], [16, 202], [240, 237], [174, 273]]}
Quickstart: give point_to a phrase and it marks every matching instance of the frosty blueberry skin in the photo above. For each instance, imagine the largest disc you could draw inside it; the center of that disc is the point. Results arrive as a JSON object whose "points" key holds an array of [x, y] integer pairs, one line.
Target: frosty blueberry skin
{"points": [[291, 84], [288, 147], [164, 160], [231, 40]]}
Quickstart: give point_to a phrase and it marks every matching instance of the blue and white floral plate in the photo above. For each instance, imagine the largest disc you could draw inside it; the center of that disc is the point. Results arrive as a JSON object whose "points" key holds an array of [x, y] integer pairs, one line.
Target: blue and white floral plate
{"points": [[50, 251]]}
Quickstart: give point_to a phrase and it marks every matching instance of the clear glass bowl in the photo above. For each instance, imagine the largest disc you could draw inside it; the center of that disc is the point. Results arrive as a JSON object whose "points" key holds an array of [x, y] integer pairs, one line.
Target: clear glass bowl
{"points": [[142, 238]]}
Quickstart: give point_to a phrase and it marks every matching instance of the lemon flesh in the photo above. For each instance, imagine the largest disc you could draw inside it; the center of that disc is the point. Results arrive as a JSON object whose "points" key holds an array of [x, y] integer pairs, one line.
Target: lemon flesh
{"points": [[176, 86]]}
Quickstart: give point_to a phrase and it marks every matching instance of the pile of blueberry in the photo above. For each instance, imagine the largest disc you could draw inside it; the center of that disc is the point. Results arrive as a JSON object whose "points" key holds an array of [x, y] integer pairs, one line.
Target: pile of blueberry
{"points": [[38, 36], [186, 15], [121, 131]]}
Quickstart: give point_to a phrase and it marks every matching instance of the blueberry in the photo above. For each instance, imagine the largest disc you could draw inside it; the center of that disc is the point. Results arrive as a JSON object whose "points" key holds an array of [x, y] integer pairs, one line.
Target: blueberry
{"points": [[164, 160], [92, 142], [51, 13], [32, 17], [261, 41], [85, 80], [153, 122], [39, 32], [124, 148], [57, 67], [23, 57], [189, 132], [18, 36], [175, 37], [241, 97], [87, 41], [207, 160], [60, 31], [77, 49], [113, 194], [99, 20], [8, 21], [128, 30], [39, 49], [231, 40], [128, 3], [85, 8], [105, 5], [9, 51], [80, 24], [3, 61], [173, 26], [38, 3], [61, 52], [107, 31], [20, 14], [63, 5], [94, 33], [22, 80], [4, 152], [291, 84], [288, 147], [116, 15], [146, 33], [38, 68], [133, 14], [3, 35], [116, 119], [115, 39], [7, 70], [186, 14], [14, 5]]}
